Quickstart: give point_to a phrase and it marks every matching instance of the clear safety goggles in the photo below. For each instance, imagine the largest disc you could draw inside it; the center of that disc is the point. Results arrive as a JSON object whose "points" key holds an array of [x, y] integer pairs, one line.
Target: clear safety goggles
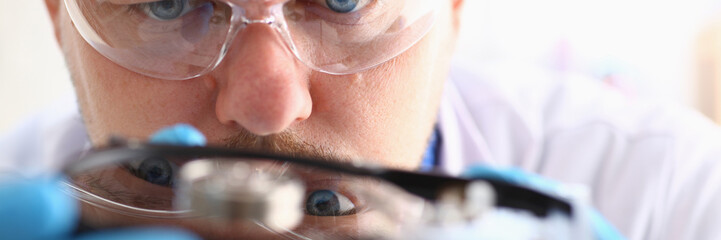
{"points": [[261, 196], [182, 39]]}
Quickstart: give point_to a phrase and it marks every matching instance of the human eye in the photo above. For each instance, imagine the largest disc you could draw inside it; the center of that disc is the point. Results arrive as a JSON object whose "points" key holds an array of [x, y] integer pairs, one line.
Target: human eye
{"points": [[344, 6], [155, 170], [167, 10], [326, 203]]}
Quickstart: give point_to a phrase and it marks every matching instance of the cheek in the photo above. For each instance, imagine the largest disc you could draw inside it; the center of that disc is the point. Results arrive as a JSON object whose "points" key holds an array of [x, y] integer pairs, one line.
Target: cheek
{"points": [[115, 100], [385, 114]]}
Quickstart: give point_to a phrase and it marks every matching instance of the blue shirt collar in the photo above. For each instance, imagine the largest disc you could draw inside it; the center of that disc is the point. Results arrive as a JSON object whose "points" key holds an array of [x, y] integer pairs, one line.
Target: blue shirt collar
{"points": [[430, 157]]}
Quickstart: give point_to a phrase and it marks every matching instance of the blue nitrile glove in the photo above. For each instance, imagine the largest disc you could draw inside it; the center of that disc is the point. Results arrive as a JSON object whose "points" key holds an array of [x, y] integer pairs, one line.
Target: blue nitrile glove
{"points": [[603, 230], [39, 209], [179, 134]]}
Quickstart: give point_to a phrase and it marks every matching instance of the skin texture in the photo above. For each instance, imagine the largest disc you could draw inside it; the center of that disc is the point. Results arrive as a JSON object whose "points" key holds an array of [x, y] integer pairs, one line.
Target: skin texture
{"points": [[262, 97]]}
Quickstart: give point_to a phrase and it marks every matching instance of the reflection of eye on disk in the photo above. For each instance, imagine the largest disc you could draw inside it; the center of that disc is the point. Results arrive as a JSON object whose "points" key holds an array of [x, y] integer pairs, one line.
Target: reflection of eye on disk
{"points": [[306, 198]]}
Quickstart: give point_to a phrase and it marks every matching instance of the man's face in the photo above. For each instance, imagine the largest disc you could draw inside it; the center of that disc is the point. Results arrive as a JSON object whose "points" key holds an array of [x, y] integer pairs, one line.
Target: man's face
{"points": [[262, 97], [260, 94]]}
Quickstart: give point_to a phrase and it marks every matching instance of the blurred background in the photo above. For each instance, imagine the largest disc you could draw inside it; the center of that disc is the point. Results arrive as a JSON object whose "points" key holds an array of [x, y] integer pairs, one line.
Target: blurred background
{"points": [[668, 50]]}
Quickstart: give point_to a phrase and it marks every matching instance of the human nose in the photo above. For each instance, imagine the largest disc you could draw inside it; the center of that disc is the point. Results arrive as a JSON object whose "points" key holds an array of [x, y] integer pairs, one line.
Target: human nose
{"points": [[262, 87]]}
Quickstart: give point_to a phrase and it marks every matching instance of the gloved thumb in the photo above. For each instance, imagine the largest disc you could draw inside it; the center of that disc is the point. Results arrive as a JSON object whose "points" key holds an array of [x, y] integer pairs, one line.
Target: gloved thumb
{"points": [[179, 134], [36, 209]]}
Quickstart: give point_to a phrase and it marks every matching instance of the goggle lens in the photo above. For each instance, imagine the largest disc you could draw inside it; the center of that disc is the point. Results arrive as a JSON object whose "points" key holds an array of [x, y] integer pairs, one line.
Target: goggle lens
{"points": [[182, 39]]}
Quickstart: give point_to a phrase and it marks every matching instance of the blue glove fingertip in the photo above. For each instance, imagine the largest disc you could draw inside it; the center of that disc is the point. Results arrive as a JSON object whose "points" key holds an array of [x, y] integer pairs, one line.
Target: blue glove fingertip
{"points": [[36, 209], [482, 171], [179, 134], [511, 175]]}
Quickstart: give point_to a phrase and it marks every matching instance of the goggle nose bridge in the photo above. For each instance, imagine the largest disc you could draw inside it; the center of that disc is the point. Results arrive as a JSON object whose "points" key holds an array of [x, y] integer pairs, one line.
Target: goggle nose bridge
{"points": [[260, 13], [257, 11], [269, 20]]}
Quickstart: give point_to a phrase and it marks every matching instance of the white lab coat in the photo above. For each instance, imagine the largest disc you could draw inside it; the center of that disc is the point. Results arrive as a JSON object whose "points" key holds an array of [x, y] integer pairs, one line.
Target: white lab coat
{"points": [[654, 170]]}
